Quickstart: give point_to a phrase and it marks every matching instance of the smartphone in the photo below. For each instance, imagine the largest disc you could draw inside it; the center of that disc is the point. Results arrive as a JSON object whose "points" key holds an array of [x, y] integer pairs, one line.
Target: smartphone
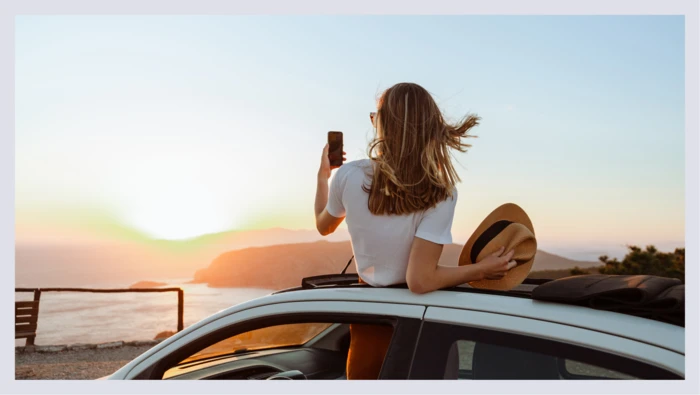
{"points": [[335, 148]]}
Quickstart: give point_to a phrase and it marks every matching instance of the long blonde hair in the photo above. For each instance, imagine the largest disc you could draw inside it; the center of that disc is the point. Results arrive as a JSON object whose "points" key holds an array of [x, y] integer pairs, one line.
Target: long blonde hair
{"points": [[413, 168]]}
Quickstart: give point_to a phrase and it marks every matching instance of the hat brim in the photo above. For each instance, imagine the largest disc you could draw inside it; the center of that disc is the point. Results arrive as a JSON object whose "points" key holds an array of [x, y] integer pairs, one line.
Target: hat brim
{"points": [[510, 212]]}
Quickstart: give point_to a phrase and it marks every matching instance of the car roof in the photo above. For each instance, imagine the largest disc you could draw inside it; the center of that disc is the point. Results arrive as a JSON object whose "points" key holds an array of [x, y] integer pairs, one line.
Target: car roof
{"points": [[575, 290], [648, 331]]}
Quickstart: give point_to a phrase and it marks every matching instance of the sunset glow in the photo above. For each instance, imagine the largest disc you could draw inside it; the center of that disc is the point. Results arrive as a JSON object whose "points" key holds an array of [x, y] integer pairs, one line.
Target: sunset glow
{"points": [[174, 127]]}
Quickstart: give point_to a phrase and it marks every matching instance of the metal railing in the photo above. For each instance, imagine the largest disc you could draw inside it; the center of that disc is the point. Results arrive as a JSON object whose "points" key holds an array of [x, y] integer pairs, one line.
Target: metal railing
{"points": [[180, 296]]}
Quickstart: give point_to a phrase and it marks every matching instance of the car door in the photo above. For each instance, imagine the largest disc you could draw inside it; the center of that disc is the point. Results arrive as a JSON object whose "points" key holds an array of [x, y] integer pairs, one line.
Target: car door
{"points": [[406, 320], [466, 344]]}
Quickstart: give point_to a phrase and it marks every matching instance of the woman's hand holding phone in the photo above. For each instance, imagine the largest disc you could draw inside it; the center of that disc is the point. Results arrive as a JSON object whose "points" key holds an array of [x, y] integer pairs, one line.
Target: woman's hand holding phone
{"points": [[324, 172]]}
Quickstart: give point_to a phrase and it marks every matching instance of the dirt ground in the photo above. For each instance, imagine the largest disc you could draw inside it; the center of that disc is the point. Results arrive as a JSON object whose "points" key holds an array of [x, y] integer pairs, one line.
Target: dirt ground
{"points": [[74, 365]]}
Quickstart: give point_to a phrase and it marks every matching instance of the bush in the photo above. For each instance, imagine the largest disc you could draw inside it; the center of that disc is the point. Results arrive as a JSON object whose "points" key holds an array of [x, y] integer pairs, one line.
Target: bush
{"points": [[649, 261]]}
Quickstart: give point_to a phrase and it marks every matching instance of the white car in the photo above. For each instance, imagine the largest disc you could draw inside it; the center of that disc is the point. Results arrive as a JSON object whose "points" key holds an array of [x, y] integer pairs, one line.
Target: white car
{"points": [[460, 333]]}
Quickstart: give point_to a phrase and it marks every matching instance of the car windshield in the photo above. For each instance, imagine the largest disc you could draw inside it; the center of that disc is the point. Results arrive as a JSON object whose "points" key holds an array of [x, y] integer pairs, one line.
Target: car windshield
{"points": [[264, 338]]}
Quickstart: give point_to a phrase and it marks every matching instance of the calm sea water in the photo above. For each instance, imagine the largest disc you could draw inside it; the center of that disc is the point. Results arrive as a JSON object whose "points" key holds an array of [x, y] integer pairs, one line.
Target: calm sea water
{"points": [[71, 317]]}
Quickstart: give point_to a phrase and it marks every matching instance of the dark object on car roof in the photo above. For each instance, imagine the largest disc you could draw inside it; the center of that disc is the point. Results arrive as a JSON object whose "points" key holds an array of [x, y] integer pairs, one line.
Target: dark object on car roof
{"points": [[352, 280], [657, 298], [334, 280]]}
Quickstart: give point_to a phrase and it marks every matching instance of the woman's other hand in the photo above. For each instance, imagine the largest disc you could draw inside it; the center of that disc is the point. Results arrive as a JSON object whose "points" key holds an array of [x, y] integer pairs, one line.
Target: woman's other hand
{"points": [[495, 266]]}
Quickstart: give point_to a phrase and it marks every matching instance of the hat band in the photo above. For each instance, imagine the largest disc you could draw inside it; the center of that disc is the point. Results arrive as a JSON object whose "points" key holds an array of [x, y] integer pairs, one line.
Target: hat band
{"points": [[492, 231]]}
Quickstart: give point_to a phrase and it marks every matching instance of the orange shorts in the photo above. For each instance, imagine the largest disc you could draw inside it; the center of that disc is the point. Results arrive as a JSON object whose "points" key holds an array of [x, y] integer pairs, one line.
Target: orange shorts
{"points": [[368, 346]]}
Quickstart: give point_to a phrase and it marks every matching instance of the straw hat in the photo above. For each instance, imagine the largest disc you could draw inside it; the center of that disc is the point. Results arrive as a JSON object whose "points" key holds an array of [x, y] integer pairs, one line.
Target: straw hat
{"points": [[507, 226]]}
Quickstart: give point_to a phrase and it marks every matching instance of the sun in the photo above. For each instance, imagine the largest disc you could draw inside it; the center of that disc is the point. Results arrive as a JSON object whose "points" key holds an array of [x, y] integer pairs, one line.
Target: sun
{"points": [[180, 214], [173, 200], [178, 188]]}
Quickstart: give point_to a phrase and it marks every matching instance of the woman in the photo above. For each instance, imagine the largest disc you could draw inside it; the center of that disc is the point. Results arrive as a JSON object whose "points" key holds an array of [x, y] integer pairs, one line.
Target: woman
{"points": [[399, 206]]}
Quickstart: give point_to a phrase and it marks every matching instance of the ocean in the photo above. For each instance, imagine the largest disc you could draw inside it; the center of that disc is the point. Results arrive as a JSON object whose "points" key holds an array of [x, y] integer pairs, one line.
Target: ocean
{"points": [[79, 317]]}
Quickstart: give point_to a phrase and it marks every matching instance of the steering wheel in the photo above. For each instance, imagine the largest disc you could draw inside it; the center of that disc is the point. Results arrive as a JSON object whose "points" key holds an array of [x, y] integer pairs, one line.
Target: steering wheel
{"points": [[288, 375]]}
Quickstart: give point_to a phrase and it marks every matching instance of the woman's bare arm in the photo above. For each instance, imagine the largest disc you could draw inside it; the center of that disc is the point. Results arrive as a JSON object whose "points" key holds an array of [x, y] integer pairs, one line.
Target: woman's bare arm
{"points": [[425, 275], [325, 223]]}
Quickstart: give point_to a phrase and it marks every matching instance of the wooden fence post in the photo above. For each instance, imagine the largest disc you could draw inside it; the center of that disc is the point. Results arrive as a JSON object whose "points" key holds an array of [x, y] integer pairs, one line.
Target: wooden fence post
{"points": [[37, 297], [180, 309]]}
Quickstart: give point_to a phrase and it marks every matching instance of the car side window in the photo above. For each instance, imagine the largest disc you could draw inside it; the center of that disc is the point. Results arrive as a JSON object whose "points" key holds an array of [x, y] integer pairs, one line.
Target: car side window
{"points": [[494, 362], [314, 349], [450, 351], [277, 336], [265, 343]]}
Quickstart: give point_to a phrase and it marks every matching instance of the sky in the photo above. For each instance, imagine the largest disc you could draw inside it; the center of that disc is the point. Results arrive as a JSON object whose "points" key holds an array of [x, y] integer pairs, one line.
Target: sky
{"points": [[171, 127]]}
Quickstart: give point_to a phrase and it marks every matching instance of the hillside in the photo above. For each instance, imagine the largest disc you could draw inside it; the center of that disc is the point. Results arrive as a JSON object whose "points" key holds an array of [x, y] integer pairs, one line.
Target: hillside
{"points": [[543, 260], [275, 267], [555, 274], [107, 262], [283, 266], [147, 284]]}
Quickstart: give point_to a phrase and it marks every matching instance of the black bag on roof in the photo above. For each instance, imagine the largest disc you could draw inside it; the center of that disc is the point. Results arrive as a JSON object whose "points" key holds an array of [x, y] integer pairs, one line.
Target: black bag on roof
{"points": [[658, 298]]}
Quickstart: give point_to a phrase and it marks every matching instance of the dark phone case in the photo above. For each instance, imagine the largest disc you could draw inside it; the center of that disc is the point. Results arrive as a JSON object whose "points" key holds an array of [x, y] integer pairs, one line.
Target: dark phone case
{"points": [[335, 148]]}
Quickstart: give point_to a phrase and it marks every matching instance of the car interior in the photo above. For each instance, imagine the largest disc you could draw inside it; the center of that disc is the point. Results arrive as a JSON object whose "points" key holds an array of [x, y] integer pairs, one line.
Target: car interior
{"points": [[322, 358]]}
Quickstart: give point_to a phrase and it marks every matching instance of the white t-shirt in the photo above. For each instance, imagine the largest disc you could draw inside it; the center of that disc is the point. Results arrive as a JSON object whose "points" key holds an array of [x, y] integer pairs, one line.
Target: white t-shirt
{"points": [[382, 243]]}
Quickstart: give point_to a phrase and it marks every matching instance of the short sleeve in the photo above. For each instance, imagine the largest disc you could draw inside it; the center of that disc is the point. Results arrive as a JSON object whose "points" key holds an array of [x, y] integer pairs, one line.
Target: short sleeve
{"points": [[335, 205], [436, 224]]}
